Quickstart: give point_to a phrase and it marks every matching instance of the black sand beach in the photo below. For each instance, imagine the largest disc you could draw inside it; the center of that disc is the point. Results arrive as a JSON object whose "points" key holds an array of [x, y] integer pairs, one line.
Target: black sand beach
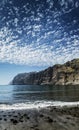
{"points": [[49, 118]]}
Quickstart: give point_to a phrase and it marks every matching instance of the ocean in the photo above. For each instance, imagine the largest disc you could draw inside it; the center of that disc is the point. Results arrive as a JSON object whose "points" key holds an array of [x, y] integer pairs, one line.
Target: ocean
{"points": [[30, 96]]}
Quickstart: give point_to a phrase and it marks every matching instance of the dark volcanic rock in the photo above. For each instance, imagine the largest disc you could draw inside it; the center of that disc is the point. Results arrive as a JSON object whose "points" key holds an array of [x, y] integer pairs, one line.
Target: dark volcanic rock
{"points": [[65, 74]]}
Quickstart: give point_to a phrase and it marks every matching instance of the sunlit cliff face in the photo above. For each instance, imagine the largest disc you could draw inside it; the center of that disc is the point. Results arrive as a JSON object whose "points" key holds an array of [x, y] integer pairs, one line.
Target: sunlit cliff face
{"points": [[39, 32]]}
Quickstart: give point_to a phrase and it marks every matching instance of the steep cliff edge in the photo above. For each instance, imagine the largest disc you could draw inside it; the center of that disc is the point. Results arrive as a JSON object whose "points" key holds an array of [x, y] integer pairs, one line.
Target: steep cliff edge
{"points": [[65, 74]]}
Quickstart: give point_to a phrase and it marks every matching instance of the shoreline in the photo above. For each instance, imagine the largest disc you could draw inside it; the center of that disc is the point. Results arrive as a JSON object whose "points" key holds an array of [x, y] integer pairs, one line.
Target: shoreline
{"points": [[47, 118], [37, 105]]}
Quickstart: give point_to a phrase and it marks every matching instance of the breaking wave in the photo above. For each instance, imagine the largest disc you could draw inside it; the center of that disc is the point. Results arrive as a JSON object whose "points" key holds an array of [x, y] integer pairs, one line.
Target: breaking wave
{"points": [[36, 104]]}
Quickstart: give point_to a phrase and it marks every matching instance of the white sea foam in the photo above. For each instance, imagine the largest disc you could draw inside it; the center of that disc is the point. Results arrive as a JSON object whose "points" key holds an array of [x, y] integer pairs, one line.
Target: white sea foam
{"points": [[37, 104]]}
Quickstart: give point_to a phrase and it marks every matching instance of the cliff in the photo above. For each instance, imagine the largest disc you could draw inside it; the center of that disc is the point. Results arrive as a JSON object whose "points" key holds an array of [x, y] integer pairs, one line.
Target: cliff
{"points": [[65, 74]]}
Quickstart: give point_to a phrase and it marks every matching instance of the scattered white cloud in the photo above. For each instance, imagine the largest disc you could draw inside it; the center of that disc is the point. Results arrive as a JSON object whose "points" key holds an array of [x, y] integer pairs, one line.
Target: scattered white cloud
{"points": [[39, 55], [40, 38]]}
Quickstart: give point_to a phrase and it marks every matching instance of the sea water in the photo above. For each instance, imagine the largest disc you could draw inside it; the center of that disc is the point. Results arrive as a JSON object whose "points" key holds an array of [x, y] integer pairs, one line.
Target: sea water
{"points": [[34, 96]]}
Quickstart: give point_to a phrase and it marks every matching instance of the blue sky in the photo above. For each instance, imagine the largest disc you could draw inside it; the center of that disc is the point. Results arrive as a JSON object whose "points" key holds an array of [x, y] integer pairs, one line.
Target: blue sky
{"points": [[35, 34], [8, 71]]}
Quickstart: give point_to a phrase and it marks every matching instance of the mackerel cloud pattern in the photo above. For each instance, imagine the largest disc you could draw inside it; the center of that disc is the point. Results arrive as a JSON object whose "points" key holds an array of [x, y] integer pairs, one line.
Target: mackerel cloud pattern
{"points": [[39, 32]]}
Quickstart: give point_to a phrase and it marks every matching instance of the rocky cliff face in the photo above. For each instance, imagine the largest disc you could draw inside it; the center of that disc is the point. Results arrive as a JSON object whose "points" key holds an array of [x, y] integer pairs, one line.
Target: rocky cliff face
{"points": [[65, 74]]}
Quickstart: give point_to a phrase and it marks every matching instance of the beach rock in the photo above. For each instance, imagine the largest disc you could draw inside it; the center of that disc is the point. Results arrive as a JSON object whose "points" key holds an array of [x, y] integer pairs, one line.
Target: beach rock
{"points": [[65, 74]]}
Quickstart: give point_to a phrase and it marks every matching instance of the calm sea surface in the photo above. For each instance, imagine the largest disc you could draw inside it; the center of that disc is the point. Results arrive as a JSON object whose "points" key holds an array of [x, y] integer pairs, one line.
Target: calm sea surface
{"points": [[30, 93]]}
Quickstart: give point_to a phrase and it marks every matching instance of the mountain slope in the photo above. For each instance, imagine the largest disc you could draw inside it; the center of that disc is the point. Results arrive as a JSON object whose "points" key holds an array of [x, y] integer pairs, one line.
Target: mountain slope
{"points": [[65, 74]]}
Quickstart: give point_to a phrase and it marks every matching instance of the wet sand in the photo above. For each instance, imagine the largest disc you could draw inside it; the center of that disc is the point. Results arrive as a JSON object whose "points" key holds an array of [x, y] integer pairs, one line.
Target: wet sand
{"points": [[48, 118]]}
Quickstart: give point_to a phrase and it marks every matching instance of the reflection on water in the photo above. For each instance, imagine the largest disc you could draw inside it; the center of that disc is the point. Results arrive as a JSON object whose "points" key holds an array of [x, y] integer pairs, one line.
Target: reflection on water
{"points": [[24, 93]]}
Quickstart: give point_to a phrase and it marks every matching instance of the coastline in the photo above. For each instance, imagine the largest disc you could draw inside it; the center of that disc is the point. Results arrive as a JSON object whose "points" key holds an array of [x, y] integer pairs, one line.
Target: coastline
{"points": [[46, 118]]}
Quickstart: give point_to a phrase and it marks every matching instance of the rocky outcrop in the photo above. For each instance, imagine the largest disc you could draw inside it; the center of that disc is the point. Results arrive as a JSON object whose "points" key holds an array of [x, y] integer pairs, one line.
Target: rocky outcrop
{"points": [[65, 74]]}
